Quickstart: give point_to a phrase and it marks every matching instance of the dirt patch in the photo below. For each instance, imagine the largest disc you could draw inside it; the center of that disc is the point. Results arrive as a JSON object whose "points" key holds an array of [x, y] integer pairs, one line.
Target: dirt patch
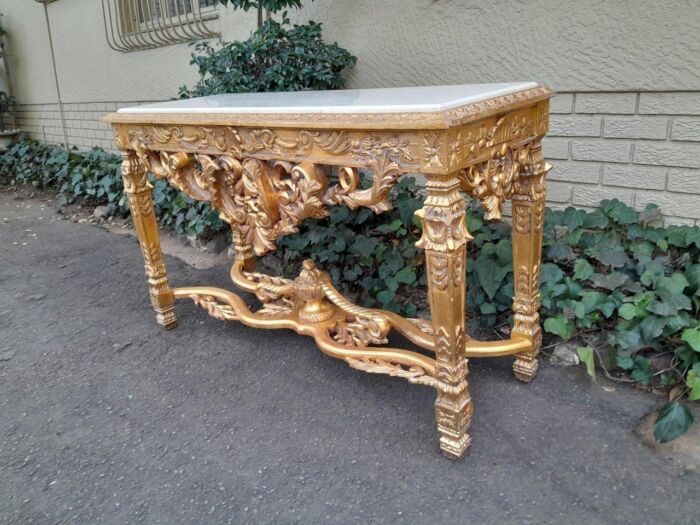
{"points": [[683, 451], [201, 256]]}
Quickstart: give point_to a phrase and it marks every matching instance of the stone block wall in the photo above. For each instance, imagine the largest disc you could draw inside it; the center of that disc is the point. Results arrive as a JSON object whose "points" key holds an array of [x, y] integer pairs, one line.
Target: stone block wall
{"points": [[83, 128], [638, 147]]}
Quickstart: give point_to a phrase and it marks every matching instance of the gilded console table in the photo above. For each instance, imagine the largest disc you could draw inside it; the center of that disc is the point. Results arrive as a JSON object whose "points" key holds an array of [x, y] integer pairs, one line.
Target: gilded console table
{"points": [[263, 160]]}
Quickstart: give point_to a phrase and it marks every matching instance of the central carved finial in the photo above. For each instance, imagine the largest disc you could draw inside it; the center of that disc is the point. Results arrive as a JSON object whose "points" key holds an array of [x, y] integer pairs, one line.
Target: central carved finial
{"points": [[308, 287]]}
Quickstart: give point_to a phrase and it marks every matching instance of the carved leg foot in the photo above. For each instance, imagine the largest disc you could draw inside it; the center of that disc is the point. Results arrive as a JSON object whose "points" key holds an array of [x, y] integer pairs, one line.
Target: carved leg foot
{"points": [[138, 189], [528, 220], [525, 367], [165, 314], [454, 417], [444, 239]]}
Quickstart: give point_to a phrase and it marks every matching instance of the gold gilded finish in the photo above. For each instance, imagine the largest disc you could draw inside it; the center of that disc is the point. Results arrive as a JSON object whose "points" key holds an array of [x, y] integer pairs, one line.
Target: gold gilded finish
{"points": [[444, 239], [266, 174], [528, 220], [138, 189]]}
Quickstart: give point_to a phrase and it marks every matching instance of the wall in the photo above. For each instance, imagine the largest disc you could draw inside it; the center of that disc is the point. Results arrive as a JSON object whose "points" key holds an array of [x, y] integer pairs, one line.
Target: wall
{"points": [[626, 123]]}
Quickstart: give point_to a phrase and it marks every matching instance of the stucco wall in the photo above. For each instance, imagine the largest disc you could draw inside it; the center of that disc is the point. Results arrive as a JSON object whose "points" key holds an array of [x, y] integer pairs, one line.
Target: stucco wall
{"points": [[626, 123], [570, 45]]}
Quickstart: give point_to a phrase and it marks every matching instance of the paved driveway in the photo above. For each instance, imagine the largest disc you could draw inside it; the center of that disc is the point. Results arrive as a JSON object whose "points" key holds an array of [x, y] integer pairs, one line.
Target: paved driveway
{"points": [[105, 418]]}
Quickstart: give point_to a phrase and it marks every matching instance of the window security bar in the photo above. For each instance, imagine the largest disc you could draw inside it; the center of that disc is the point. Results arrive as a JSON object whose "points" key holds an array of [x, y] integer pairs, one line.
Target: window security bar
{"points": [[132, 25]]}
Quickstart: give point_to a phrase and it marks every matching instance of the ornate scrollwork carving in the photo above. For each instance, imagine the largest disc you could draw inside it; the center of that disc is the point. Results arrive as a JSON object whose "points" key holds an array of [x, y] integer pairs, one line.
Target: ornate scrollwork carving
{"points": [[358, 331], [264, 200], [492, 181], [386, 174]]}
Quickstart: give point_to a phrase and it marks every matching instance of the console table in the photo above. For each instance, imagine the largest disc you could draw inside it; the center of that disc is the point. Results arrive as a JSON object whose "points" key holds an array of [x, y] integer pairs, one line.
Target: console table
{"points": [[263, 161]]}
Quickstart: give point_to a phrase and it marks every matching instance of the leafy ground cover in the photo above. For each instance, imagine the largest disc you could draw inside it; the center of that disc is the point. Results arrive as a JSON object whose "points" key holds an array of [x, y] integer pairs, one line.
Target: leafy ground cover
{"points": [[624, 289]]}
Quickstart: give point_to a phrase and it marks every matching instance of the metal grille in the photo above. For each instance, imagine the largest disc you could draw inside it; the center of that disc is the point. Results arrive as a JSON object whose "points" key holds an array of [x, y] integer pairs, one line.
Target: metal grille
{"points": [[131, 25]]}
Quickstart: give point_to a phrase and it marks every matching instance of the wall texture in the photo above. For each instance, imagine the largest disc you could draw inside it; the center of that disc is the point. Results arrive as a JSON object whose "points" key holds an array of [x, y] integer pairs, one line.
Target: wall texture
{"points": [[626, 123]]}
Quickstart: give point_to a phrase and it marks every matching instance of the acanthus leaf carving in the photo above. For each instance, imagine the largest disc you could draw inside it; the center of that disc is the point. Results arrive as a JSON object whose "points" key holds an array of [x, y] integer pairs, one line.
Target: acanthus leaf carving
{"points": [[493, 180]]}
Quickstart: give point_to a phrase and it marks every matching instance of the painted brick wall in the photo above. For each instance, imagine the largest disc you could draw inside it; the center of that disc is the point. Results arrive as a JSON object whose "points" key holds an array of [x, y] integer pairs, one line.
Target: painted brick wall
{"points": [[83, 128], [637, 147]]}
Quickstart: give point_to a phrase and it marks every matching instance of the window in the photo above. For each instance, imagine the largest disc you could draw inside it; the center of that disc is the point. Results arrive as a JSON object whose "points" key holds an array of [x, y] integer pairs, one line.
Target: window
{"points": [[131, 25]]}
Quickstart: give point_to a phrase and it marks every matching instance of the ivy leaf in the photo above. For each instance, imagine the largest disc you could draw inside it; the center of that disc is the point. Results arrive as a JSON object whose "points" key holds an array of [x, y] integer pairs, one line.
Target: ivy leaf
{"points": [[614, 257], [406, 276], [551, 273], [592, 299], [670, 306], [585, 355], [693, 382], [627, 311], [652, 274], [559, 251], [573, 218], [395, 225], [487, 308], [611, 281], [627, 339], [652, 327], [490, 273], [692, 337], [596, 219], [620, 212], [338, 244], [692, 274], [673, 421], [642, 370], [624, 361], [582, 270], [350, 274], [560, 326], [364, 245], [504, 252], [673, 285], [670, 292], [385, 296]]}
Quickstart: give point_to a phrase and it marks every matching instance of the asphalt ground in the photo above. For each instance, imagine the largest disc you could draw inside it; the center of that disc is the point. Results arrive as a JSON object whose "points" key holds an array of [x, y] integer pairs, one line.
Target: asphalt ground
{"points": [[106, 418]]}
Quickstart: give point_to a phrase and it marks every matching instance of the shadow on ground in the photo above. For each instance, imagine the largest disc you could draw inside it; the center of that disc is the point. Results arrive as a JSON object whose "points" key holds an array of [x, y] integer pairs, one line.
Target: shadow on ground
{"points": [[105, 418]]}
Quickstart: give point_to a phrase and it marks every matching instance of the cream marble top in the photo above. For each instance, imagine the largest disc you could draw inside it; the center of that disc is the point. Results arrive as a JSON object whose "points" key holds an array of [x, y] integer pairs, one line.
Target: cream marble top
{"points": [[424, 99], [425, 107]]}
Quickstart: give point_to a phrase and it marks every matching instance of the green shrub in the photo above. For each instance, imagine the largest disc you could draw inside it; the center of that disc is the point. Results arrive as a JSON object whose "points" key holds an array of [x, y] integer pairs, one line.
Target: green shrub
{"points": [[270, 5], [614, 279], [275, 58]]}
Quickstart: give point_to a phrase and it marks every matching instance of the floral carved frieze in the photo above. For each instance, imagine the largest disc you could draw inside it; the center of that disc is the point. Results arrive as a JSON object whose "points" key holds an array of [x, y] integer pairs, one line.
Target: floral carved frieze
{"points": [[428, 151], [336, 146]]}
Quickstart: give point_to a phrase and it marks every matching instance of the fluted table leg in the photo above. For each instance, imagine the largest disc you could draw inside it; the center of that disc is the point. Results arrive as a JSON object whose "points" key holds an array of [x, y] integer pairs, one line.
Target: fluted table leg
{"points": [[444, 239], [528, 220], [138, 189]]}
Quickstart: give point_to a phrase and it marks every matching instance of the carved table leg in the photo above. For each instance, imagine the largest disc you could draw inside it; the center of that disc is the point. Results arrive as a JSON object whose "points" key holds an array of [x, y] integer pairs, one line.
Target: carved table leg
{"points": [[528, 218], [138, 189], [444, 239]]}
